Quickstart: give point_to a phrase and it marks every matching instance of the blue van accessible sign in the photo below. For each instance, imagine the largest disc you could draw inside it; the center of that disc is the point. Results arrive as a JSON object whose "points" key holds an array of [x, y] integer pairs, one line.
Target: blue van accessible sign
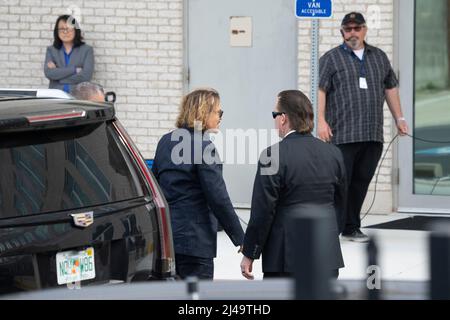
{"points": [[314, 9]]}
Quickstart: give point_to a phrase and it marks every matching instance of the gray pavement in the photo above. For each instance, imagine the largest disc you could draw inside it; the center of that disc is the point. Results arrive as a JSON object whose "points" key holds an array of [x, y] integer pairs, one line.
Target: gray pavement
{"points": [[403, 255]]}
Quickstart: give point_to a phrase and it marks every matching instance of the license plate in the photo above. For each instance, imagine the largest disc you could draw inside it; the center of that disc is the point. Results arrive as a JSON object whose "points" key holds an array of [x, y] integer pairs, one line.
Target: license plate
{"points": [[73, 266]]}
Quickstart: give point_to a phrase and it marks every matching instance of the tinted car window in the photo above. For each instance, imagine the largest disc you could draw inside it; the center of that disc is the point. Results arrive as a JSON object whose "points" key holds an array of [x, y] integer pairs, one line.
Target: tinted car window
{"points": [[54, 170]]}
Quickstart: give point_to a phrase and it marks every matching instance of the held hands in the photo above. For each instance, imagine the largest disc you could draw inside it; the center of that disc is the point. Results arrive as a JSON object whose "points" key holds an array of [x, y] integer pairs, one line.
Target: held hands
{"points": [[246, 268], [324, 131], [79, 70]]}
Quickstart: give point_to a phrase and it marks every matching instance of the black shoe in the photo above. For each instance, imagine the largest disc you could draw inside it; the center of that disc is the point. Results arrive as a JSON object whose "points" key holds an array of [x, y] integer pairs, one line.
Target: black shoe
{"points": [[355, 236]]}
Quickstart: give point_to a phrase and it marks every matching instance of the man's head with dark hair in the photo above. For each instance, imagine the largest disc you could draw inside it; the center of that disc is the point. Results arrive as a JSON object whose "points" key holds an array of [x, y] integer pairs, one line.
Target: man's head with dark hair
{"points": [[64, 25], [88, 91], [298, 110]]}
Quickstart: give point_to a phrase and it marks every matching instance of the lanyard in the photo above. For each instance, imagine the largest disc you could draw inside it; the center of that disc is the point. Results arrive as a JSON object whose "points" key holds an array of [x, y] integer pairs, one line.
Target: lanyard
{"points": [[362, 70]]}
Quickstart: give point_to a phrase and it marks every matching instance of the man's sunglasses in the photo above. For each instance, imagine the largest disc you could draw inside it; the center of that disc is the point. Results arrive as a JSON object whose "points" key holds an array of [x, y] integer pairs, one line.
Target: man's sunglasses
{"points": [[349, 29], [276, 114]]}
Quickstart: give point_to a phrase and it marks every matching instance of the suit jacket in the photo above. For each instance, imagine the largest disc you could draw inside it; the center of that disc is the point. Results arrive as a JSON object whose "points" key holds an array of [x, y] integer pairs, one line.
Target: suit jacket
{"points": [[308, 173], [196, 194], [81, 57]]}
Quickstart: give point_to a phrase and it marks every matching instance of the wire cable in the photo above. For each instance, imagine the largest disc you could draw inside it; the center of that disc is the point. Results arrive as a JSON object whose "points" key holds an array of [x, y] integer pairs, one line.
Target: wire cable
{"points": [[243, 221], [376, 178], [428, 141], [384, 157], [436, 184]]}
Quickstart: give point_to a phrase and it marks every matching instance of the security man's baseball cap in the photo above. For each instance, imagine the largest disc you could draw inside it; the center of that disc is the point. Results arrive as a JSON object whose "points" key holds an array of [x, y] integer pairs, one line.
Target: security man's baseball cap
{"points": [[353, 17]]}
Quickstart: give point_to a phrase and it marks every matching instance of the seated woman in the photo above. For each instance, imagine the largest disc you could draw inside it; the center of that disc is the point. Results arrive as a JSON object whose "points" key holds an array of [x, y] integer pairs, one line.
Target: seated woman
{"points": [[69, 60], [189, 172]]}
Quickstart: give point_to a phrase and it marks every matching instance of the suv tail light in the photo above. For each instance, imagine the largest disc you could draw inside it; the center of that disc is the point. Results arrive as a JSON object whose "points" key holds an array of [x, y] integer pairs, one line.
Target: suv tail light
{"points": [[82, 113], [74, 114], [162, 208]]}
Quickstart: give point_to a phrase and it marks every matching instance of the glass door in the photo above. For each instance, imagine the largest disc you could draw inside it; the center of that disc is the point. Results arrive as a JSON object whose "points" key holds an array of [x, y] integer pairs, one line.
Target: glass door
{"points": [[424, 61]]}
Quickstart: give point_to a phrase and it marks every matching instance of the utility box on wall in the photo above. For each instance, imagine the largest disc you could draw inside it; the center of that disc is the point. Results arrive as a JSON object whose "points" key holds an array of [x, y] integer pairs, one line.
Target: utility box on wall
{"points": [[241, 31]]}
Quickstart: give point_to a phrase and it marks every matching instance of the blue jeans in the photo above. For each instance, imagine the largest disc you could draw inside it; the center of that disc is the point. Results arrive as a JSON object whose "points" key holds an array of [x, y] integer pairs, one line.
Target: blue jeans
{"points": [[190, 266]]}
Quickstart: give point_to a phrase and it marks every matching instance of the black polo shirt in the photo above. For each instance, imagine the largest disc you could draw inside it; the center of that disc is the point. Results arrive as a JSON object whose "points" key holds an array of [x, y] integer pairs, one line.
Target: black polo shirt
{"points": [[355, 114]]}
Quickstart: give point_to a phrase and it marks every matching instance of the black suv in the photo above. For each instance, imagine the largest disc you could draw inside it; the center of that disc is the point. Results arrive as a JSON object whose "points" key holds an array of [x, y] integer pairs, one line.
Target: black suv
{"points": [[77, 201]]}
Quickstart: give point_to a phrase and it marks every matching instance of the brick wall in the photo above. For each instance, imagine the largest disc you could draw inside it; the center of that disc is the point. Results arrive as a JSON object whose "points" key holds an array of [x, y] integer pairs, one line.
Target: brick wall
{"points": [[138, 48]]}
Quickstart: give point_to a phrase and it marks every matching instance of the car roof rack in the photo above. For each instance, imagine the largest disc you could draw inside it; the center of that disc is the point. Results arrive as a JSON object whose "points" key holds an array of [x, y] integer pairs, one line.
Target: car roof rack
{"points": [[39, 114], [8, 93]]}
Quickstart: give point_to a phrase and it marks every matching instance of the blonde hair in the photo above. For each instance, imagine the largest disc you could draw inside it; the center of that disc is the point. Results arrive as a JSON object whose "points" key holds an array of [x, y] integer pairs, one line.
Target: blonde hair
{"points": [[196, 108]]}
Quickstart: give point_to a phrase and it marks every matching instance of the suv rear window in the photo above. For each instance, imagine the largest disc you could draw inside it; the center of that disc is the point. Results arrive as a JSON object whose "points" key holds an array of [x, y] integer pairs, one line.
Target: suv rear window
{"points": [[62, 169]]}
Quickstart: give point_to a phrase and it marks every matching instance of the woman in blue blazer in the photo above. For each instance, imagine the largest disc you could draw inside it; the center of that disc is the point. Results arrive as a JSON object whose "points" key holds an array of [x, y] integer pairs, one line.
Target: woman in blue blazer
{"points": [[69, 61], [189, 172]]}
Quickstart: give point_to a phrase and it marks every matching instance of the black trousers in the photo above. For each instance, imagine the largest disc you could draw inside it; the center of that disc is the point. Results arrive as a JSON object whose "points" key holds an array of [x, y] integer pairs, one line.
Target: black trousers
{"points": [[190, 266], [361, 161]]}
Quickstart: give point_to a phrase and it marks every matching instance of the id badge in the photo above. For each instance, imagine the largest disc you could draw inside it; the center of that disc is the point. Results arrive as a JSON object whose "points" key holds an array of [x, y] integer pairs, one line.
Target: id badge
{"points": [[363, 83]]}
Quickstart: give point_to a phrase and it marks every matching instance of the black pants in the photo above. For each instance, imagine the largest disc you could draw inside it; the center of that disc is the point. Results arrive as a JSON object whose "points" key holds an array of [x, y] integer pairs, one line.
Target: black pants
{"points": [[361, 161], [274, 275], [190, 266]]}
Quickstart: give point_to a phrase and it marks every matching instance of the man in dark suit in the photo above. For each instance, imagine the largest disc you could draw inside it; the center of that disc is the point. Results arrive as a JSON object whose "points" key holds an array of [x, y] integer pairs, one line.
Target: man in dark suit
{"points": [[306, 172]]}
